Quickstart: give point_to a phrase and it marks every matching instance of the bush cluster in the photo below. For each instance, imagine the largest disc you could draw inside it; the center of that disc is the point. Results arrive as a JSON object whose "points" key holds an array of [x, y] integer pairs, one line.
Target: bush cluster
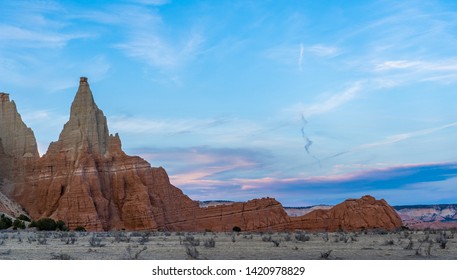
{"points": [[49, 224], [18, 224], [24, 218], [80, 228], [5, 222]]}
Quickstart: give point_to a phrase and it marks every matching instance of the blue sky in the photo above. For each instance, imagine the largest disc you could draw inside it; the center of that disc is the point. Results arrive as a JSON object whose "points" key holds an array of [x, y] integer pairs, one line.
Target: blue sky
{"points": [[306, 101]]}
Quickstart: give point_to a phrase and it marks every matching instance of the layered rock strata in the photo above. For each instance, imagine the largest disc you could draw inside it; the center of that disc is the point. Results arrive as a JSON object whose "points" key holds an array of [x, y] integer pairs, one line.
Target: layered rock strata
{"points": [[18, 146], [352, 214], [85, 179]]}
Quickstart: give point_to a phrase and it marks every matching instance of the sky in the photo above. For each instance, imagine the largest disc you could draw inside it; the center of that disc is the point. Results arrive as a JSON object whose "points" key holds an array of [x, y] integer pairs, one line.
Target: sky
{"points": [[309, 102]]}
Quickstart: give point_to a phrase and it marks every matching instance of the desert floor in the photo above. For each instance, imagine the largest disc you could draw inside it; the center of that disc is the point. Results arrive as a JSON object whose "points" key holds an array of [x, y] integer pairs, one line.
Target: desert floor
{"points": [[403, 245]]}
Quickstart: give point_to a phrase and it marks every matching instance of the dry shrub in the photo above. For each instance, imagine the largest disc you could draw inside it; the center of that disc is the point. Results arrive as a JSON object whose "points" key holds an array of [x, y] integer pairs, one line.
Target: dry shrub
{"points": [[210, 243]]}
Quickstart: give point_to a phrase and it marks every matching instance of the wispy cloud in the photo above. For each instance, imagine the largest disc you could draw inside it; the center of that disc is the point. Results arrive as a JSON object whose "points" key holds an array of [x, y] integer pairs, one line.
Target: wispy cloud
{"points": [[392, 140], [35, 27], [27, 38], [206, 157], [396, 64], [401, 44], [439, 70], [448, 65], [145, 36], [217, 131], [211, 168], [405, 136], [37, 35], [330, 103], [287, 54], [17, 71], [323, 50], [162, 126], [159, 52]]}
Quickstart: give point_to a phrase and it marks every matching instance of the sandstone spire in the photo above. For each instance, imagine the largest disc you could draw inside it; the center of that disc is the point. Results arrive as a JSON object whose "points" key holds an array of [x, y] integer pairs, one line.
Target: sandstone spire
{"points": [[18, 143], [87, 127], [18, 140]]}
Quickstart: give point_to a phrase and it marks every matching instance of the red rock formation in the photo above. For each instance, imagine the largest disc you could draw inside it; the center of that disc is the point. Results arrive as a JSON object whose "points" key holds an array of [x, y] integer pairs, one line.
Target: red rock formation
{"points": [[254, 215], [352, 214], [18, 149], [85, 179], [17, 142]]}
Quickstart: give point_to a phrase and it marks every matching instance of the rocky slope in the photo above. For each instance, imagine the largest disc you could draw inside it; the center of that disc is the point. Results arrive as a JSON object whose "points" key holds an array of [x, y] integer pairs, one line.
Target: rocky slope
{"points": [[10, 207], [85, 179]]}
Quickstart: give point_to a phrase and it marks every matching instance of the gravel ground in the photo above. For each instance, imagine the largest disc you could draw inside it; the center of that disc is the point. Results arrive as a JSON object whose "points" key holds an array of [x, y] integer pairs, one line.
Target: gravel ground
{"points": [[404, 245]]}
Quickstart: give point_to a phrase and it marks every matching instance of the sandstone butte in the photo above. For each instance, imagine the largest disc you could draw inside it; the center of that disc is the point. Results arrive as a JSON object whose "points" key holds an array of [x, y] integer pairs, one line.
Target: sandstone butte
{"points": [[85, 179]]}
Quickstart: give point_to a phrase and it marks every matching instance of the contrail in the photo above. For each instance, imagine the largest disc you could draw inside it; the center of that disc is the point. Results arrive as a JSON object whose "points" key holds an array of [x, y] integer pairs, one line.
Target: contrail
{"points": [[300, 57], [337, 155], [303, 126], [308, 141]]}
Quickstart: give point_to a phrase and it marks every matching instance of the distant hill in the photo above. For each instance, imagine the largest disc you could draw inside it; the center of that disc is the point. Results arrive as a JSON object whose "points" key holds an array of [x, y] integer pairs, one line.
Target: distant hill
{"points": [[435, 206], [428, 216]]}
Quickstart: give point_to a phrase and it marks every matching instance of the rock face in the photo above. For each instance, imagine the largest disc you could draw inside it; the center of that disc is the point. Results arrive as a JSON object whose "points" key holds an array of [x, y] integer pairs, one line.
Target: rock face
{"points": [[17, 142], [254, 215], [352, 214], [18, 150], [85, 179]]}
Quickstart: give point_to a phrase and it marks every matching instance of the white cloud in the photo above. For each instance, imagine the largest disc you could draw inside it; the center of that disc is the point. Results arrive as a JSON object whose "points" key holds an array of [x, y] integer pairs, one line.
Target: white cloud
{"points": [[393, 139], [418, 65], [403, 44], [163, 126], [287, 54], [405, 136], [322, 50], [159, 52], [331, 103], [21, 37], [145, 36], [395, 64], [17, 71], [399, 72]]}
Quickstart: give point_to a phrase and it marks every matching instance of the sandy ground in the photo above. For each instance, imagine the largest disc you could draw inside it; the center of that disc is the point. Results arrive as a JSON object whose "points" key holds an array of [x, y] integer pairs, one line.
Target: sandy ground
{"points": [[404, 245]]}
